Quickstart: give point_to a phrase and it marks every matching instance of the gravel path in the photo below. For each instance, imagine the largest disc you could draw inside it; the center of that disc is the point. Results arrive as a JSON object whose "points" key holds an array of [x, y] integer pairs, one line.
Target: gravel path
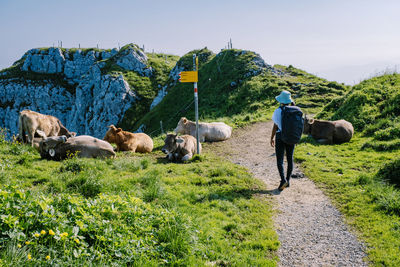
{"points": [[310, 229]]}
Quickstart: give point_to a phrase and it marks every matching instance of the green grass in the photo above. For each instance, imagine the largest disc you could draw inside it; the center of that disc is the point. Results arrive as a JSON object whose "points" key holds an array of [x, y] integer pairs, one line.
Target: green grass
{"points": [[373, 107], [133, 210], [359, 183]]}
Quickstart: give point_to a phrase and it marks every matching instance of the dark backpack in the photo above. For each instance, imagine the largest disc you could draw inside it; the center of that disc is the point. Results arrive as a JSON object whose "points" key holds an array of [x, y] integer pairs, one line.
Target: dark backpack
{"points": [[292, 124]]}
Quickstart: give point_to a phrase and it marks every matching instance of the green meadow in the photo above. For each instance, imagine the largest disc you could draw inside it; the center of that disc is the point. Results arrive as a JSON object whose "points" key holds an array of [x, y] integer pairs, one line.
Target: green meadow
{"points": [[135, 210]]}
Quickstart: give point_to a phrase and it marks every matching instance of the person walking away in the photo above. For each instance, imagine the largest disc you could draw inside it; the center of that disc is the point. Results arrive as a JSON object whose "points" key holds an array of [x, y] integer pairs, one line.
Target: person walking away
{"points": [[287, 130]]}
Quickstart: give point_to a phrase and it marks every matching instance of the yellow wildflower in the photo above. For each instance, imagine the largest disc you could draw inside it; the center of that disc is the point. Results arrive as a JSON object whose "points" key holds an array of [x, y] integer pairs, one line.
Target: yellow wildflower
{"points": [[51, 232], [19, 245], [64, 234], [37, 234], [76, 240], [27, 242], [48, 257], [43, 232], [29, 256]]}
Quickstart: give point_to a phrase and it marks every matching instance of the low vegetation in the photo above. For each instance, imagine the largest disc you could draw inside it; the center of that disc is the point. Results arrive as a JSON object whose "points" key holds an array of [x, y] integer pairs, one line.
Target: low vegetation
{"points": [[361, 184], [362, 177], [373, 107], [133, 210]]}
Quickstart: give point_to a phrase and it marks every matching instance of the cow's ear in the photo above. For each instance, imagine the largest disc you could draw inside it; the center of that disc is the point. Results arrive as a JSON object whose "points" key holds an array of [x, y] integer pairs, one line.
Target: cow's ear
{"points": [[64, 138], [184, 120], [118, 130], [310, 121], [179, 140]]}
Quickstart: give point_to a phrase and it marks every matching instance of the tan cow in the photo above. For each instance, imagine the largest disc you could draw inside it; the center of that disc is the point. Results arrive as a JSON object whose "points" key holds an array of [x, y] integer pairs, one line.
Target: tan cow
{"points": [[180, 148], [33, 124], [329, 132], [126, 141], [210, 132], [84, 146]]}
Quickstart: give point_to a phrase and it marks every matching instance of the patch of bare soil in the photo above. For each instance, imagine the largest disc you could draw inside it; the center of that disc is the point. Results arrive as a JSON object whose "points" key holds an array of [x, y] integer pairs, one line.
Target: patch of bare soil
{"points": [[311, 230]]}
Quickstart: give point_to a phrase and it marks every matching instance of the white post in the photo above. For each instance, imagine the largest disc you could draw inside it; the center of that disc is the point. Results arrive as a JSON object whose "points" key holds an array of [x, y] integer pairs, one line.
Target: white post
{"points": [[196, 107]]}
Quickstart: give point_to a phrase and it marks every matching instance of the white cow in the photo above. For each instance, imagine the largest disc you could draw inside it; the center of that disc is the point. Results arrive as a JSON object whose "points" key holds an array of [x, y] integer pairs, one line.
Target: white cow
{"points": [[210, 132]]}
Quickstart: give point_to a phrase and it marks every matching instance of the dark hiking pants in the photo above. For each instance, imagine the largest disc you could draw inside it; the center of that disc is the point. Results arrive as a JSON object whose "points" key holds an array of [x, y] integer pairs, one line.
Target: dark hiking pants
{"points": [[280, 149]]}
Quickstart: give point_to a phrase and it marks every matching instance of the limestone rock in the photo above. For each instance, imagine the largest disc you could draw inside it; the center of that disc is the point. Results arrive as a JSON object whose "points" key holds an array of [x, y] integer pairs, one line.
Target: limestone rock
{"points": [[132, 58]]}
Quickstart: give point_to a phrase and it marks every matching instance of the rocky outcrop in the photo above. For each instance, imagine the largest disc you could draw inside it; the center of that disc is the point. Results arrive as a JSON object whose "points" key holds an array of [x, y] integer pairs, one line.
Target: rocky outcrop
{"points": [[132, 58], [92, 101]]}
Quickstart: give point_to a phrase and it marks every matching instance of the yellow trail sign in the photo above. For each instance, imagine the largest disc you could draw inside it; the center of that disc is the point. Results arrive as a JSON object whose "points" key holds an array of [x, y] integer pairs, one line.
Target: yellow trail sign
{"points": [[188, 77]]}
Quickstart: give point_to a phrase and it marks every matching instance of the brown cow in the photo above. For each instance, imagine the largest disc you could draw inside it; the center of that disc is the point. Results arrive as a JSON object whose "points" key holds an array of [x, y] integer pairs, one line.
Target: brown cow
{"points": [[126, 141], [180, 148], [329, 132], [33, 124]]}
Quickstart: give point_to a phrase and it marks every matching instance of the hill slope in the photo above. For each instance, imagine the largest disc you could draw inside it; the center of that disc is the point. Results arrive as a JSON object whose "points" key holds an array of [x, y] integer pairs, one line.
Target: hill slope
{"points": [[373, 107], [236, 86]]}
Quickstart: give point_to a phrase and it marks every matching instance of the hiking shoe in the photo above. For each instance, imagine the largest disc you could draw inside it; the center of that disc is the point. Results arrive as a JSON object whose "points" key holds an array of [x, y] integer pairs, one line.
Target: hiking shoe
{"points": [[282, 185]]}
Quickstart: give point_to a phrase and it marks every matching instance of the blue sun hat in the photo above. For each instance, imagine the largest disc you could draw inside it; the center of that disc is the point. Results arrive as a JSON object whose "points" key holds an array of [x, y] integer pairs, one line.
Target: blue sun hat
{"points": [[284, 97]]}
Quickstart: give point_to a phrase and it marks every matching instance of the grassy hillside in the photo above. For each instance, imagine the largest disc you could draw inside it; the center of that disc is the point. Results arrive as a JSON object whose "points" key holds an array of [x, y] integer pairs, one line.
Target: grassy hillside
{"points": [[362, 177], [234, 86], [373, 107], [132, 210], [146, 88]]}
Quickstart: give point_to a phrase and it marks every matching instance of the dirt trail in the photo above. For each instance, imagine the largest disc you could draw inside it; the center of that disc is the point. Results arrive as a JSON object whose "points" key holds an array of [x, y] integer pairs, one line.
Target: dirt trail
{"points": [[310, 229]]}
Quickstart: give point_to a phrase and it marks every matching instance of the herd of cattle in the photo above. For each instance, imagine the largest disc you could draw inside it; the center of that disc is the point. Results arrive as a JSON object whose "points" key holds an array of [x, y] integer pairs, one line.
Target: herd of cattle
{"points": [[53, 141]]}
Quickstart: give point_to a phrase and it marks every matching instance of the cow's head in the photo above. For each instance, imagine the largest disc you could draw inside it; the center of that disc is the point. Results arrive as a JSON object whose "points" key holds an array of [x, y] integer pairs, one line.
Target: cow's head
{"points": [[111, 134], [181, 127], [171, 143], [71, 134], [47, 147], [307, 125]]}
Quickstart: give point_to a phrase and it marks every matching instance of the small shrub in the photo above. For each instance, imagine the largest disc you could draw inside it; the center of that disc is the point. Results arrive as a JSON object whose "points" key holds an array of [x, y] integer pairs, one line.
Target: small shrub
{"points": [[18, 149], [382, 145], [144, 163], [389, 201], [390, 172], [364, 179], [86, 184], [152, 186], [3, 134], [127, 164], [197, 158], [388, 134], [73, 165], [381, 124]]}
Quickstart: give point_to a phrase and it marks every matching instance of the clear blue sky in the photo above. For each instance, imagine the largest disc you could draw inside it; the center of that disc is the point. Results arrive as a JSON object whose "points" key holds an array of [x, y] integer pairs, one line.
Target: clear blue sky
{"points": [[343, 40]]}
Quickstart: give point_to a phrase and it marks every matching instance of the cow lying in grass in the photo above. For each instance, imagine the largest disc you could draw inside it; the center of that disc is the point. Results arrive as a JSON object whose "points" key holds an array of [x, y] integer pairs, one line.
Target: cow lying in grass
{"points": [[210, 132], [329, 132], [126, 141], [180, 148], [59, 147]]}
